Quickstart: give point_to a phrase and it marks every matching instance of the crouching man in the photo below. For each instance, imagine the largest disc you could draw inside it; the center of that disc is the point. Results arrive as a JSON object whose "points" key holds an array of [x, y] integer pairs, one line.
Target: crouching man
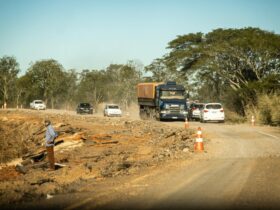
{"points": [[50, 137]]}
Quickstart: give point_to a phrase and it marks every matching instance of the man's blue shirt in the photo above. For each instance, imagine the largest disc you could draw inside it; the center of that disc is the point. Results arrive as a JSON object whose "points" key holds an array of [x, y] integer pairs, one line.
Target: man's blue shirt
{"points": [[50, 136]]}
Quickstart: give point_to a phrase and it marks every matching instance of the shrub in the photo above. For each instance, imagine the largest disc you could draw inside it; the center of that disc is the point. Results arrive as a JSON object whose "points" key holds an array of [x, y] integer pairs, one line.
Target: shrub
{"points": [[233, 117], [275, 109], [267, 110]]}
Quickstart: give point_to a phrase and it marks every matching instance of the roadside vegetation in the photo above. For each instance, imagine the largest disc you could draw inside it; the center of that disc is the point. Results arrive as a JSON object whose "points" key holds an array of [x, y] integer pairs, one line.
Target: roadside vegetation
{"points": [[237, 67], [267, 110]]}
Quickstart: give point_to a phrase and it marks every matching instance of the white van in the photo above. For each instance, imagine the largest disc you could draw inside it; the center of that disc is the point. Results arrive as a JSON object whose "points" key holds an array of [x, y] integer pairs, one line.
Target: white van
{"points": [[212, 112]]}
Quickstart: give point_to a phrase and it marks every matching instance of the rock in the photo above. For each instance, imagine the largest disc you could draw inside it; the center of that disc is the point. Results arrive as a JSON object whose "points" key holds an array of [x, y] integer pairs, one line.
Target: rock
{"points": [[4, 119], [89, 166], [186, 149], [21, 169], [27, 162], [49, 196]]}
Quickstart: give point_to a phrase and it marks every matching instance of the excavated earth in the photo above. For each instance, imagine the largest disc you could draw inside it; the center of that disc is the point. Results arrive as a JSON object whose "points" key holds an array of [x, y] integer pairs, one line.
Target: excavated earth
{"points": [[90, 148]]}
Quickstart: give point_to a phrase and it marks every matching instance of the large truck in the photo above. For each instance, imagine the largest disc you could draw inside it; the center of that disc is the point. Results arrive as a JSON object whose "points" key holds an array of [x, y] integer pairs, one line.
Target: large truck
{"points": [[162, 101]]}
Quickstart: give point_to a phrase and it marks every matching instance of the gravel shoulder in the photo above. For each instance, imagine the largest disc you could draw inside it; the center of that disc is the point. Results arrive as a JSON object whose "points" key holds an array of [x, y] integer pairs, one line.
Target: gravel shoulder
{"points": [[238, 171]]}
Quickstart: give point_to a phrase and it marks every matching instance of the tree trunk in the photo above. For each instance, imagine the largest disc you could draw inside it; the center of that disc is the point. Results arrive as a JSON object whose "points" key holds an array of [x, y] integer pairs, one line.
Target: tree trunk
{"points": [[52, 102], [5, 93]]}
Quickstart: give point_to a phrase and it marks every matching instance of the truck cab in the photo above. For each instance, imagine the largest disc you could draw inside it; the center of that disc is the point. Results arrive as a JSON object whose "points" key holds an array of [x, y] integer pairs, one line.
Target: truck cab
{"points": [[162, 101], [171, 101]]}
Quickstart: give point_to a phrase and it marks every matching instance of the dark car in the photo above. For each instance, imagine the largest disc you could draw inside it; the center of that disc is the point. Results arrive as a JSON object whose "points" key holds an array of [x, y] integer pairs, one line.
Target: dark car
{"points": [[84, 108], [194, 111]]}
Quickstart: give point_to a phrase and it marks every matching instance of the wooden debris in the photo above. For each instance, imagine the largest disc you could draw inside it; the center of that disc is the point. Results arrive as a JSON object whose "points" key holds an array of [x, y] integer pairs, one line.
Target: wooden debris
{"points": [[42, 181], [110, 142]]}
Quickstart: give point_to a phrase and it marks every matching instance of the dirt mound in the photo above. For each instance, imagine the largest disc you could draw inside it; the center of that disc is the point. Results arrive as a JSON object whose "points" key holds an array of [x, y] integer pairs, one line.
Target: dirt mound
{"points": [[90, 148], [16, 136]]}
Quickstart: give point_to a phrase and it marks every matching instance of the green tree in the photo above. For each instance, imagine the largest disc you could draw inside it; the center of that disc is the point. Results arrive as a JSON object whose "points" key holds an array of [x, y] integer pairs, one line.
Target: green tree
{"points": [[69, 89], [92, 87], [239, 61], [123, 80], [23, 90], [159, 70], [47, 79], [9, 70]]}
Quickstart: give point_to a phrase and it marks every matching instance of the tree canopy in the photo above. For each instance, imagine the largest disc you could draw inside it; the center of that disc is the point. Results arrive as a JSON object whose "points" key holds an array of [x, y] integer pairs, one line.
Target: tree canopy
{"points": [[9, 69], [232, 66], [224, 62]]}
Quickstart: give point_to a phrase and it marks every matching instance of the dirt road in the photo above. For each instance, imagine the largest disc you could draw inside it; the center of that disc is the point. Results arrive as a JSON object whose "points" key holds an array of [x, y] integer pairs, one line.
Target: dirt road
{"points": [[239, 169]]}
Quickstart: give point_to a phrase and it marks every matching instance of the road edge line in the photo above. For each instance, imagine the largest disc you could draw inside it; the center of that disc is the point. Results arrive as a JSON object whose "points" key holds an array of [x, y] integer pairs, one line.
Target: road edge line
{"points": [[266, 134]]}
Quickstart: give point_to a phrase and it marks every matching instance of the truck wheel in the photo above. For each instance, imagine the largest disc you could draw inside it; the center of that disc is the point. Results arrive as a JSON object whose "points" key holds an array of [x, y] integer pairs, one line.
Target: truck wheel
{"points": [[147, 114], [142, 114], [157, 115]]}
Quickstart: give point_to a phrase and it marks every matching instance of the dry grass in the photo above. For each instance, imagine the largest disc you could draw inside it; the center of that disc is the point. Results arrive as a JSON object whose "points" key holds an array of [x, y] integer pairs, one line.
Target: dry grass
{"points": [[267, 109], [233, 117]]}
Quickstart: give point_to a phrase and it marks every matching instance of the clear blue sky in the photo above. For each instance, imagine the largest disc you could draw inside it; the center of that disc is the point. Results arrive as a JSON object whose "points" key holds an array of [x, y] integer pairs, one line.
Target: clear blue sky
{"points": [[92, 34]]}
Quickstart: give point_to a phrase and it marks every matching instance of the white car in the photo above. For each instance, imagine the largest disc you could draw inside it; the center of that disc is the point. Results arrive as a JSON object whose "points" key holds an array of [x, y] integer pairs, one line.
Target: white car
{"points": [[212, 112], [38, 104], [111, 110]]}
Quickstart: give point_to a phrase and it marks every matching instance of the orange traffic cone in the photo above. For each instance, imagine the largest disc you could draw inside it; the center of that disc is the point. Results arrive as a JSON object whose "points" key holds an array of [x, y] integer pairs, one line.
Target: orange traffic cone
{"points": [[198, 145], [186, 123], [253, 120]]}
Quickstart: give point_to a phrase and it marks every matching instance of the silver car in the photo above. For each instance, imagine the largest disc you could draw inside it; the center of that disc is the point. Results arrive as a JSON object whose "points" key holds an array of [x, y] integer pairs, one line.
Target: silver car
{"points": [[38, 104], [194, 111], [112, 110]]}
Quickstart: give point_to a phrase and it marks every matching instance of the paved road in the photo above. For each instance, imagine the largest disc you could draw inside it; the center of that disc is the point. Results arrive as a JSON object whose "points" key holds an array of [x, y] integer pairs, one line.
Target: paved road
{"points": [[240, 170]]}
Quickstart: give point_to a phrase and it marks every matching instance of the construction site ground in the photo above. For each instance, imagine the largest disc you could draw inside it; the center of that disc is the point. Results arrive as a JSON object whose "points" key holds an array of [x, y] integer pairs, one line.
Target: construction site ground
{"points": [[128, 163]]}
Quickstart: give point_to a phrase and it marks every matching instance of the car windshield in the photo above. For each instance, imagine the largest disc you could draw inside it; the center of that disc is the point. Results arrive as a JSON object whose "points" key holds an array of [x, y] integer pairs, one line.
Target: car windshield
{"points": [[198, 106], [171, 94], [38, 102], [213, 106], [113, 107], [85, 105]]}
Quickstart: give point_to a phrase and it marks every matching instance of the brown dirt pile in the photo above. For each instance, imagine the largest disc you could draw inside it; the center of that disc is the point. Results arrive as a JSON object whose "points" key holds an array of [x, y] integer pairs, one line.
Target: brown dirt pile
{"points": [[90, 148]]}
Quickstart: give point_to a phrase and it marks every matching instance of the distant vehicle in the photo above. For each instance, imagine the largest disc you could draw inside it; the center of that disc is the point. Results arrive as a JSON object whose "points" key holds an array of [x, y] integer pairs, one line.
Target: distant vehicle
{"points": [[84, 108], [212, 112], [194, 111], [162, 101], [111, 110], [38, 104]]}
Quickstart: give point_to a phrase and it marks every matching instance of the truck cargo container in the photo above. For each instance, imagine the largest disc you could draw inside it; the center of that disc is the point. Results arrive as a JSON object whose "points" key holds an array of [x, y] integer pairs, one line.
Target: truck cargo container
{"points": [[162, 101]]}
